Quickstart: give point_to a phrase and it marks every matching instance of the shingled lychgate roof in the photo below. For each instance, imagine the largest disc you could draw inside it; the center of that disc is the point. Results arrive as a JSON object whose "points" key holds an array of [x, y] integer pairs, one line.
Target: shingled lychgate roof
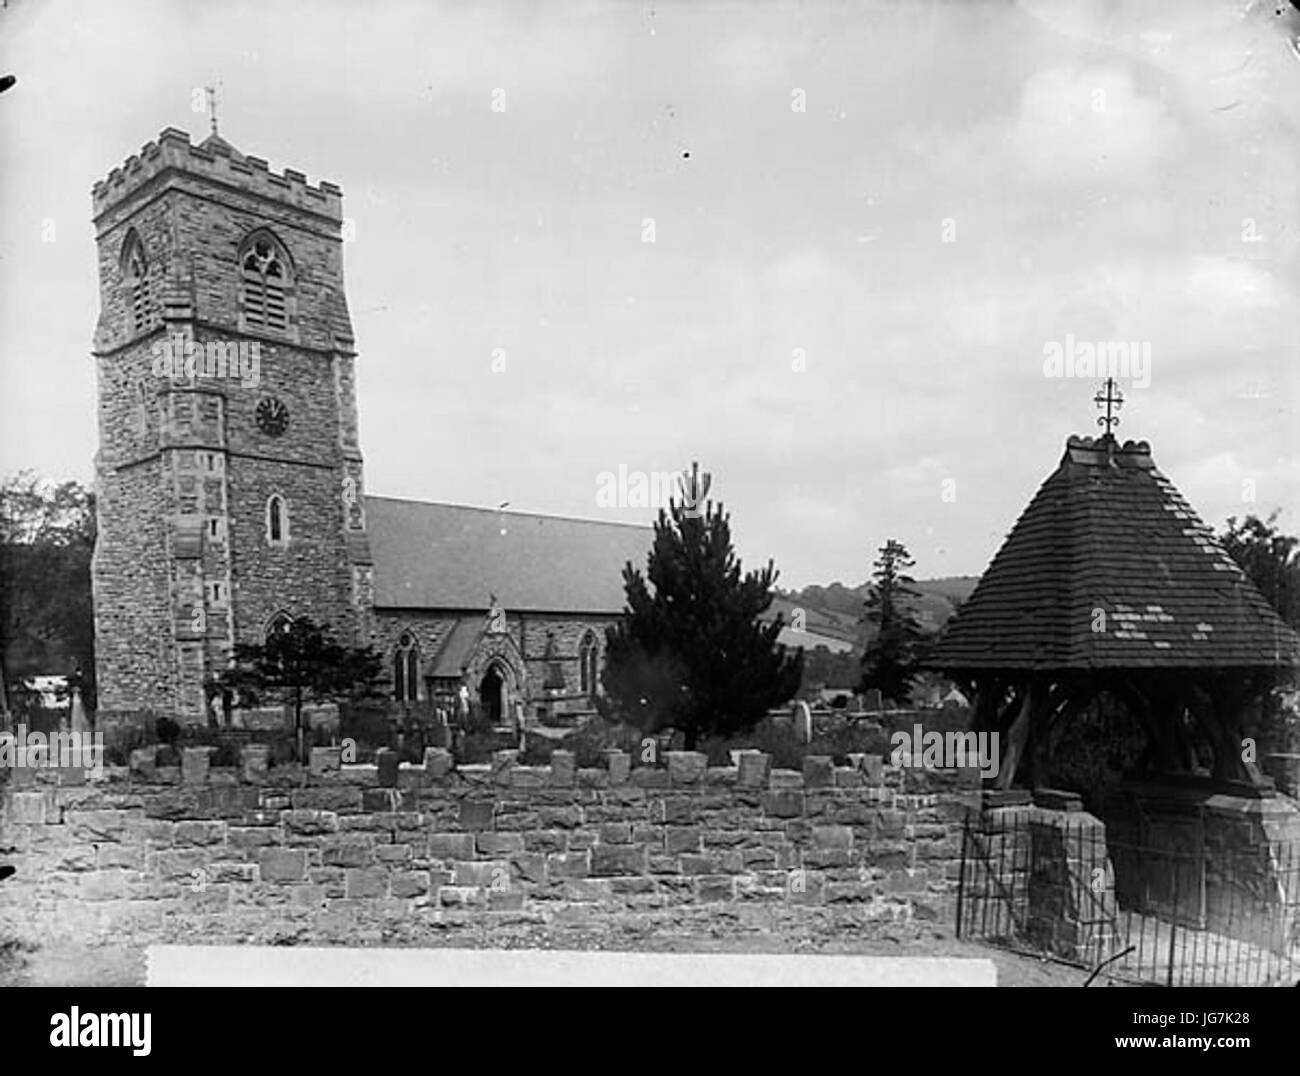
{"points": [[1107, 533]]}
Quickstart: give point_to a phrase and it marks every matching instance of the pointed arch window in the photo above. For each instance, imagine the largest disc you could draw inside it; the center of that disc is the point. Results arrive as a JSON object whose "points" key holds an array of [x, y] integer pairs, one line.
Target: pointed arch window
{"points": [[588, 657], [279, 624], [265, 282], [277, 520], [139, 286], [406, 669]]}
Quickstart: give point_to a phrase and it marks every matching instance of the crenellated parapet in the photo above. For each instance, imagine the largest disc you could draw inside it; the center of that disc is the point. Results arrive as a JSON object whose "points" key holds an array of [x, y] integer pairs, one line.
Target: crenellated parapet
{"points": [[214, 159]]}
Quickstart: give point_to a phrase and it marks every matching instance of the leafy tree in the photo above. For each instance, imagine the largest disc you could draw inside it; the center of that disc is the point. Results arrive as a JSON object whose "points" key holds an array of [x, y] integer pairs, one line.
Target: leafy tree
{"points": [[821, 668], [47, 536], [1272, 561], [691, 653], [891, 656], [1270, 558], [300, 663]]}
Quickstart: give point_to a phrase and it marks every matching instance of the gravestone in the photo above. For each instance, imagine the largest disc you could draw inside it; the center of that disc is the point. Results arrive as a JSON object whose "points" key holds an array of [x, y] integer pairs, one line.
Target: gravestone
{"points": [[802, 717], [387, 761]]}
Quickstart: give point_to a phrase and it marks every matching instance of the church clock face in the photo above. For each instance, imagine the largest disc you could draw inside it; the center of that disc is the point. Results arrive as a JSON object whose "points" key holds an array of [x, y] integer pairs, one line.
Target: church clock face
{"points": [[272, 417]]}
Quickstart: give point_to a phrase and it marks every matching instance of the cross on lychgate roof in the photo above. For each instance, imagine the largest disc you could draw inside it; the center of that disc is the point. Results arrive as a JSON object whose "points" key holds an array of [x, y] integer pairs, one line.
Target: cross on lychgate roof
{"points": [[1111, 398]]}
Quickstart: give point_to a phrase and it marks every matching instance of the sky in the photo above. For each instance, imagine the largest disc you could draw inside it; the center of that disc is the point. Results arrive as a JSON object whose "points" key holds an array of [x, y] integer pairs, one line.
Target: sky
{"points": [[822, 248]]}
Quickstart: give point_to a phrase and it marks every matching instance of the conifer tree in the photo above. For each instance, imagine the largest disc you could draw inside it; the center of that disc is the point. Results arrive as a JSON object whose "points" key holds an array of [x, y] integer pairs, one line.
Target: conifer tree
{"points": [[890, 659], [690, 653]]}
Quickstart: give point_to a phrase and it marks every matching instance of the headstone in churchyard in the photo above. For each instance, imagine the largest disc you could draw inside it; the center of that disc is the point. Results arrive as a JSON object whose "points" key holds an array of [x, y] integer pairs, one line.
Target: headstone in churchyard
{"points": [[387, 761], [321, 716], [802, 716]]}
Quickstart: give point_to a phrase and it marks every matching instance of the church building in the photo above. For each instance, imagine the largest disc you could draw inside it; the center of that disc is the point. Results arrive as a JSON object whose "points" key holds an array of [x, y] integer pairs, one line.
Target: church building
{"points": [[229, 482]]}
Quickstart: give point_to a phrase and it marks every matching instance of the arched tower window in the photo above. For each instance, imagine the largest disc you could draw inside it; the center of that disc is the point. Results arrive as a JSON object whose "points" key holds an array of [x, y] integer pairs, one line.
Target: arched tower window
{"points": [[135, 278], [265, 282], [406, 669], [277, 520], [588, 656]]}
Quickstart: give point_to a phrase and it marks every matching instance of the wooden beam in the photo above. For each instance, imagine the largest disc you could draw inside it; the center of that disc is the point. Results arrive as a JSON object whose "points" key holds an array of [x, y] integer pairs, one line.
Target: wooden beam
{"points": [[1221, 722], [1017, 735], [1065, 711]]}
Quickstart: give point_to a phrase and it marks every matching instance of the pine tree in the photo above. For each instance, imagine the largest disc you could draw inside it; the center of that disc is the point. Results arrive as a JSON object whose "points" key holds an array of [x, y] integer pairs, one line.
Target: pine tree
{"points": [[891, 657], [690, 653]]}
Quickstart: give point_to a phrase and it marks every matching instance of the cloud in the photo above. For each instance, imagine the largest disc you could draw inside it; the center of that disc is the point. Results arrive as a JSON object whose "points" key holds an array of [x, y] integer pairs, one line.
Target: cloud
{"points": [[1073, 127]]}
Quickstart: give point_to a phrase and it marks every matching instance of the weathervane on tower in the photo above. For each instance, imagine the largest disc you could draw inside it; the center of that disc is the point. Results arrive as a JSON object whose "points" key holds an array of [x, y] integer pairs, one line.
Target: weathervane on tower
{"points": [[1111, 398], [211, 91]]}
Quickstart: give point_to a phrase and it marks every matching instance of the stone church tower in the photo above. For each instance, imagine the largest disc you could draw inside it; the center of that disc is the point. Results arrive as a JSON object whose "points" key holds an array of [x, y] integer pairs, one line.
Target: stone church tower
{"points": [[228, 478]]}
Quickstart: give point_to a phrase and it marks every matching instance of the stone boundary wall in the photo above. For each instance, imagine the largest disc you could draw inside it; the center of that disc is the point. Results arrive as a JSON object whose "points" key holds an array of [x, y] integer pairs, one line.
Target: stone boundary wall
{"points": [[144, 853]]}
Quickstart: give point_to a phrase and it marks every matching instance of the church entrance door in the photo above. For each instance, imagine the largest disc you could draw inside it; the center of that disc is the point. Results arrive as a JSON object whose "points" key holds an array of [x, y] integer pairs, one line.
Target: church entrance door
{"points": [[491, 697]]}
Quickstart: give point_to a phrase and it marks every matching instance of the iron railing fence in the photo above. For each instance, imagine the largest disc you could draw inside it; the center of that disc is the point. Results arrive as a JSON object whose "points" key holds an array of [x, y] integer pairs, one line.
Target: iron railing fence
{"points": [[1196, 915]]}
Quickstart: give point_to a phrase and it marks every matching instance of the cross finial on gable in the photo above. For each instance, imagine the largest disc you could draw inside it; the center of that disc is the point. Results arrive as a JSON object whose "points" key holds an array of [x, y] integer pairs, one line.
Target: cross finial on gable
{"points": [[1111, 398]]}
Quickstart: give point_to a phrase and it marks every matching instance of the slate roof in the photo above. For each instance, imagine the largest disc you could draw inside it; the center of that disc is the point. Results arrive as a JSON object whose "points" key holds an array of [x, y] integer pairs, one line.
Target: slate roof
{"points": [[456, 650], [446, 556], [1107, 531]]}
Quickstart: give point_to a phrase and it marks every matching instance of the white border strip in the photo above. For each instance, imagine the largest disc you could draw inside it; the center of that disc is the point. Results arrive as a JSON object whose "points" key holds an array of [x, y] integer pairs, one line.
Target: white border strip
{"points": [[198, 965]]}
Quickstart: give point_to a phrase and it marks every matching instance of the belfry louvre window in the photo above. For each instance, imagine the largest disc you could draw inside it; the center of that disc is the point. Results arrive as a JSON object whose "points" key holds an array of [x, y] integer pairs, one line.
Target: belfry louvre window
{"points": [[264, 270], [135, 277]]}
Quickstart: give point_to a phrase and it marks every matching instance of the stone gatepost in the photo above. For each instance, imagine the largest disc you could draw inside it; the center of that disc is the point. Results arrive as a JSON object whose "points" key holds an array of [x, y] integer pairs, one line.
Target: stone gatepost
{"points": [[1037, 870], [1071, 885]]}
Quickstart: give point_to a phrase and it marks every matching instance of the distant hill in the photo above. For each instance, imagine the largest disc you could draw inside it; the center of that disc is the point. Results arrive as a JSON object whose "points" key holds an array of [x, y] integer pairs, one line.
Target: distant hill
{"points": [[953, 587], [837, 610]]}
